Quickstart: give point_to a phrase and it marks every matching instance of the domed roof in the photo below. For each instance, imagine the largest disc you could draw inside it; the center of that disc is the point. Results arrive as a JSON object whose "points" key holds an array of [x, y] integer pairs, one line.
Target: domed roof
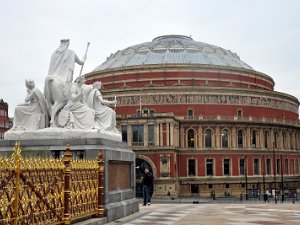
{"points": [[173, 49]]}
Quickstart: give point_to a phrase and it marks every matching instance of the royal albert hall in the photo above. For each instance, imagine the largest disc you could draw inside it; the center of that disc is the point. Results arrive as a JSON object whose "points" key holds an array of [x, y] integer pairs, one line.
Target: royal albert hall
{"points": [[203, 120]]}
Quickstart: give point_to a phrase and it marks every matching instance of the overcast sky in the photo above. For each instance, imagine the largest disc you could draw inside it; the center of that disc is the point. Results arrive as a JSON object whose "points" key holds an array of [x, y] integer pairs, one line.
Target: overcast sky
{"points": [[264, 33]]}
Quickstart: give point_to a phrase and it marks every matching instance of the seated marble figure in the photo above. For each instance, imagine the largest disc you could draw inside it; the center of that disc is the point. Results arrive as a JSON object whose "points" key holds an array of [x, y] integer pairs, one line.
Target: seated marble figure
{"points": [[33, 114], [105, 117], [76, 113]]}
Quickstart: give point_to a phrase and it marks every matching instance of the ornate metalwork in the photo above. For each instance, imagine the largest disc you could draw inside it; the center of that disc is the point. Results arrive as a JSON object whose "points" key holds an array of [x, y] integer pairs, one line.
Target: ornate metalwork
{"points": [[84, 187], [47, 191]]}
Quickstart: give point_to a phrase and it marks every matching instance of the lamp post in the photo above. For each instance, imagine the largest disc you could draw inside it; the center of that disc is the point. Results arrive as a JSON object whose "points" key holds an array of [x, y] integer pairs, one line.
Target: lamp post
{"points": [[246, 177]]}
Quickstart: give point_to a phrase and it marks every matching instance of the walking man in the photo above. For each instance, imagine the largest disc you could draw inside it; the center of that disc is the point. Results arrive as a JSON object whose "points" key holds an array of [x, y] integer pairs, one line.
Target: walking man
{"points": [[147, 183]]}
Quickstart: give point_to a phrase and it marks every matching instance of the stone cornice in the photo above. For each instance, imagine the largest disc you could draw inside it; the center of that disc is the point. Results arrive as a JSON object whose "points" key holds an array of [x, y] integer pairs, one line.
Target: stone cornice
{"points": [[176, 68]]}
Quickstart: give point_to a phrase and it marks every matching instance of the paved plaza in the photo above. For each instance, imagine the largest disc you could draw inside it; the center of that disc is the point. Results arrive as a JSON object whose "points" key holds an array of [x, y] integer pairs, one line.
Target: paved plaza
{"points": [[215, 214]]}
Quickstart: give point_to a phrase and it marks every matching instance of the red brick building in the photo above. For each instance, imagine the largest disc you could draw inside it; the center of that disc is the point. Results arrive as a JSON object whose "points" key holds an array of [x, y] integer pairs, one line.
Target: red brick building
{"points": [[202, 119], [4, 119]]}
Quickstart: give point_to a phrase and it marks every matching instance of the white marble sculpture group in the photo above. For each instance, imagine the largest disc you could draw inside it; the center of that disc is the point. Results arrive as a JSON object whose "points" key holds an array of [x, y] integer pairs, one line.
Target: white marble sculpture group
{"points": [[65, 105]]}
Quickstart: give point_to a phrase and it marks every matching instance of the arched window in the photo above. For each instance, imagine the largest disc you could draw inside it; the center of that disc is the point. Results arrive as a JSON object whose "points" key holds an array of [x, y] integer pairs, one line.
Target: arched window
{"points": [[225, 140], [291, 141], [254, 139], [191, 138], [266, 136], [275, 139], [208, 138], [284, 140], [240, 139]]}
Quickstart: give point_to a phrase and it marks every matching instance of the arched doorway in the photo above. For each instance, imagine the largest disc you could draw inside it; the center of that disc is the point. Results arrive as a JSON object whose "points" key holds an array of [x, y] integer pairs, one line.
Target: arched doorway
{"points": [[142, 163]]}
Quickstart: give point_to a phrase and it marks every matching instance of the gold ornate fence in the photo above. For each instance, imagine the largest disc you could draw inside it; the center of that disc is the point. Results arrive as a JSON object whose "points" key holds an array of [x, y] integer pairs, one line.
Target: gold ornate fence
{"points": [[49, 191]]}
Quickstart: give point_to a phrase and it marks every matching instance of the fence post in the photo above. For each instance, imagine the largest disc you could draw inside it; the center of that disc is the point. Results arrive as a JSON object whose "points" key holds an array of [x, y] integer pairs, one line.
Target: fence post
{"points": [[100, 209], [67, 186], [17, 157]]}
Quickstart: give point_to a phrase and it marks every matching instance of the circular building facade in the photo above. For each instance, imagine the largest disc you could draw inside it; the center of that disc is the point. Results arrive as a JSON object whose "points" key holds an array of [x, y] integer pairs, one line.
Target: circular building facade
{"points": [[204, 121]]}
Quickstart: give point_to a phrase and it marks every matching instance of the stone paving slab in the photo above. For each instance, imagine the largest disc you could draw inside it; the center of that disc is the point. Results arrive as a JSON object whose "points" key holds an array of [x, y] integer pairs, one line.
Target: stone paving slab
{"points": [[214, 214]]}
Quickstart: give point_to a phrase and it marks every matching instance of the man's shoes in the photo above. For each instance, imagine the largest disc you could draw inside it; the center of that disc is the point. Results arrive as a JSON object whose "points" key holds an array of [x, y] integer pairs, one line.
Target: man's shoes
{"points": [[144, 204], [149, 203]]}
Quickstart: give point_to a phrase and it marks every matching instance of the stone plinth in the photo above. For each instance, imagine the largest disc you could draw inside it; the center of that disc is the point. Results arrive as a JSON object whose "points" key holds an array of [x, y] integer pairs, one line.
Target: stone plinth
{"points": [[119, 180], [54, 133]]}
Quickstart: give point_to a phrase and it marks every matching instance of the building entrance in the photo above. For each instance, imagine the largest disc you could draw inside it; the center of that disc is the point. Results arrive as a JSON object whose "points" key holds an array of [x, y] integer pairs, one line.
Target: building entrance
{"points": [[194, 189]]}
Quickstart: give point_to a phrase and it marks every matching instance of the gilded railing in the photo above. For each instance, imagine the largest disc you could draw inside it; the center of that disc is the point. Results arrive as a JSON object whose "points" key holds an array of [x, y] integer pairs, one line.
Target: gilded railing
{"points": [[49, 191]]}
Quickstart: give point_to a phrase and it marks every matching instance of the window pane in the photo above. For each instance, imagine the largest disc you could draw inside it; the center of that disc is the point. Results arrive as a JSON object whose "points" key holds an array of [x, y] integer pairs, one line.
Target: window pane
{"points": [[254, 139], [286, 166], [275, 139], [208, 138], [192, 167], [190, 114], [242, 166], [278, 166], [266, 139], [225, 138], [284, 140], [124, 133], [256, 166], [191, 138], [226, 165], [151, 134], [268, 167], [138, 135], [209, 167], [240, 138]]}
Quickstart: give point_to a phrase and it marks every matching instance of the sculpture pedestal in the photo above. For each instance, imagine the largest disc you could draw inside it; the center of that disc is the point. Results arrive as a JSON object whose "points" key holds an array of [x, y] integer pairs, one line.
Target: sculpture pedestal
{"points": [[55, 133], [119, 180]]}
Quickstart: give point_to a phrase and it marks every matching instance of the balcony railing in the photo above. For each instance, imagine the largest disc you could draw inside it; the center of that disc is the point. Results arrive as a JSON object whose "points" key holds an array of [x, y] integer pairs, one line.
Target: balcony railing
{"points": [[241, 119]]}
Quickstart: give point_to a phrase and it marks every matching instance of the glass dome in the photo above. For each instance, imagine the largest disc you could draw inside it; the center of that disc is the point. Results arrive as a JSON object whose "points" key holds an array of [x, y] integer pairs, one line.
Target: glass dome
{"points": [[173, 49]]}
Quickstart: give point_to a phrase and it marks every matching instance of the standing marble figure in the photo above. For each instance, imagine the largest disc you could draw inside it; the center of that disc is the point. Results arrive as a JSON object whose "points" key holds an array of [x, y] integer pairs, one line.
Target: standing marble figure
{"points": [[63, 62], [60, 76], [33, 114]]}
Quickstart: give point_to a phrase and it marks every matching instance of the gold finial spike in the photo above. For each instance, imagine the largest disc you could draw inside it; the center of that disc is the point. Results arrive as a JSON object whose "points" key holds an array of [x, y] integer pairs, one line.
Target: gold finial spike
{"points": [[68, 153], [17, 151]]}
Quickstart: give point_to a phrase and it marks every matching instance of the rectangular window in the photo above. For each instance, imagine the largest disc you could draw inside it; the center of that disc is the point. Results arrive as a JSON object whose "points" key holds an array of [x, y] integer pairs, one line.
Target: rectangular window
{"points": [[192, 167], [256, 166], [137, 135], [124, 133], [278, 166], [150, 134], [242, 166], [268, 167], [209, 167], [190, 113], [239, 113], [287, 166], [226, 164], [293, 166]]}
